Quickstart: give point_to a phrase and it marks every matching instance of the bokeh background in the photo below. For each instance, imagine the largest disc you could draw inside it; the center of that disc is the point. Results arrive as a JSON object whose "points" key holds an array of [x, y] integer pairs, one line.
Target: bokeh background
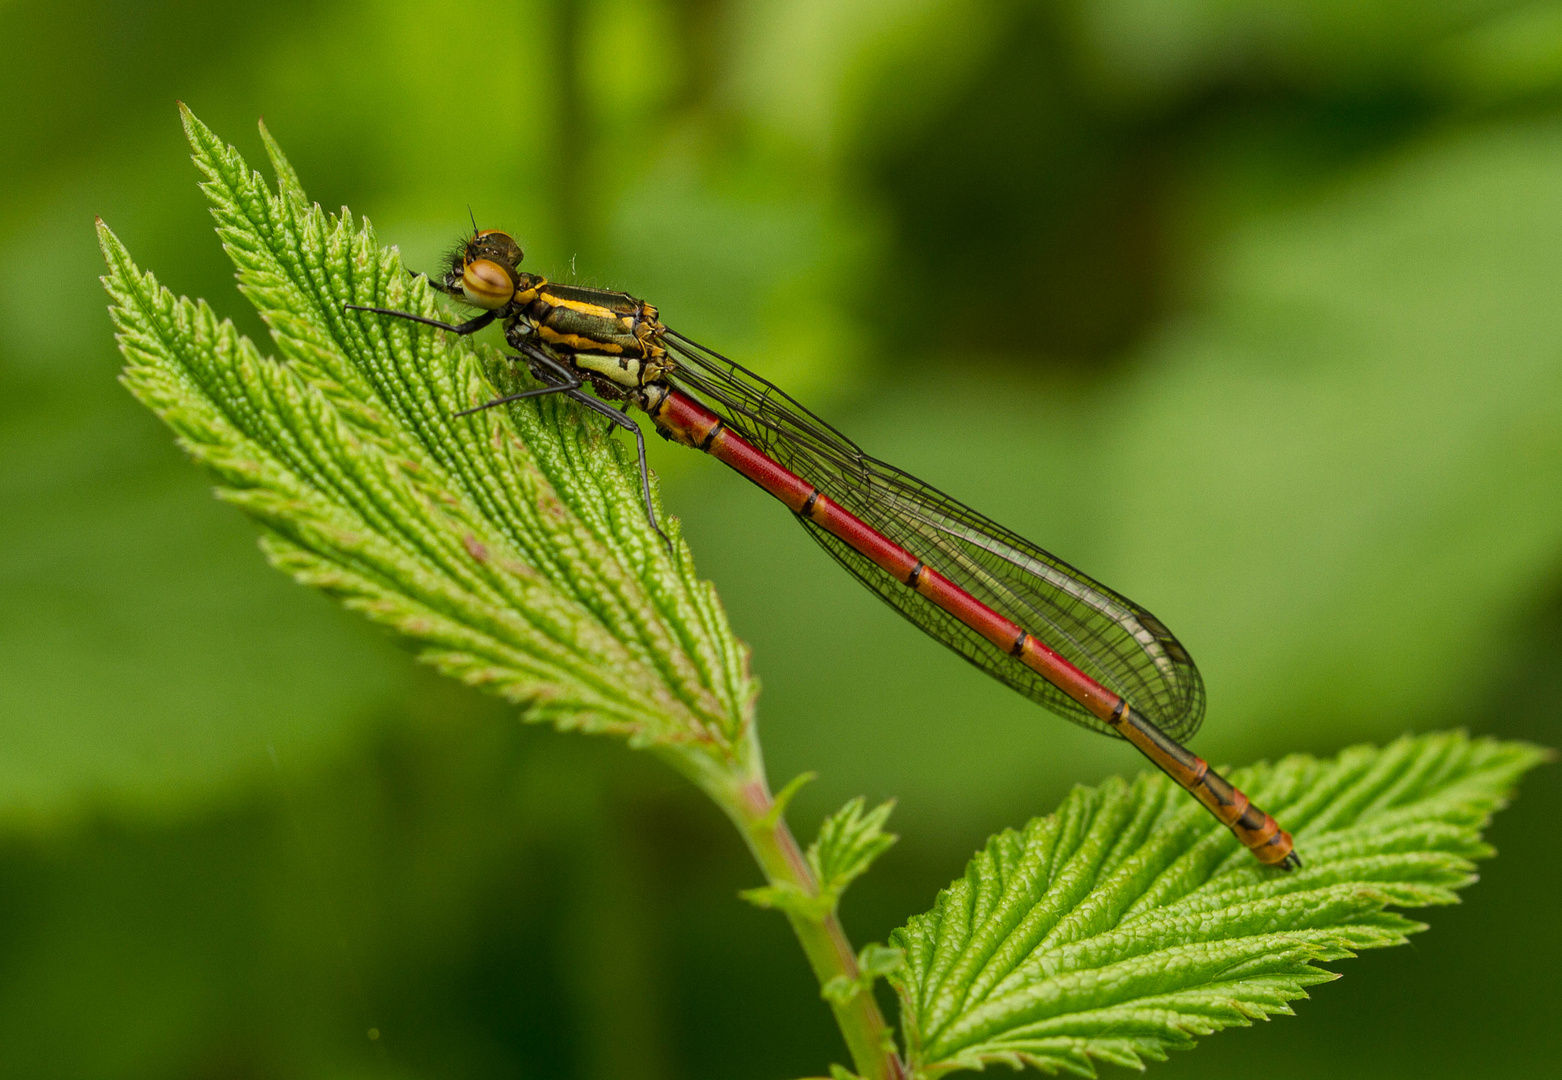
{"points": [[1253, 308]]}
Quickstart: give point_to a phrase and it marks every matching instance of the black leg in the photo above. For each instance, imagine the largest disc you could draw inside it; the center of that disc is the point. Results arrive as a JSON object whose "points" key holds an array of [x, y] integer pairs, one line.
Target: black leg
{"points": [[536, 358], [539, 391], [545, 366], [542, 363], [624, 421], [471, 326], [549, 366], [439, 286]]}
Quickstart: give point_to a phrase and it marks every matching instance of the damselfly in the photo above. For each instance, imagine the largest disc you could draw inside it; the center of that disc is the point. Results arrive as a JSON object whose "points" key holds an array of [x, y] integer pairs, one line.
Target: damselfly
{"points": [[1025, 617]]}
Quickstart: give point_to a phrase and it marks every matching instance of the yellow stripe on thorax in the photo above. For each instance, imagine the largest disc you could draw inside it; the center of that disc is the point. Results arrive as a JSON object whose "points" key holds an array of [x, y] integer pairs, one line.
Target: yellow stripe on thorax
{"points": [[594, 310]]}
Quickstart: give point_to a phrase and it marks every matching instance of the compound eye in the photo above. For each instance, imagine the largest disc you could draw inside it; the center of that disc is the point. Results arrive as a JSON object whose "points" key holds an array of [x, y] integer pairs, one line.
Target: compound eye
{"points": [[486, 284]]}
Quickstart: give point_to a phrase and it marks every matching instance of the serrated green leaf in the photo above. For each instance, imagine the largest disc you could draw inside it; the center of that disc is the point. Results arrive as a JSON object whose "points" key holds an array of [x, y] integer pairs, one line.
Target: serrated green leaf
{"points": [[840, 990], [510, 546], [1129, 921], [848, 842], [789, 898], [874, 962]]}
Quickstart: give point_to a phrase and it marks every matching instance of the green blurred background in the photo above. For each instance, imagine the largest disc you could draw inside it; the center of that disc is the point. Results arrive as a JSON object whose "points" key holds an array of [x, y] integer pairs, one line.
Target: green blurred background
{"points": [[1253, 308]]}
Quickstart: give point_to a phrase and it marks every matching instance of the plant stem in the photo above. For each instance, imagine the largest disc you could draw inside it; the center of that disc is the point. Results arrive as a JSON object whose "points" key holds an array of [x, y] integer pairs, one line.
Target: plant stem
{"points": [[737, 785], [823, 939]]}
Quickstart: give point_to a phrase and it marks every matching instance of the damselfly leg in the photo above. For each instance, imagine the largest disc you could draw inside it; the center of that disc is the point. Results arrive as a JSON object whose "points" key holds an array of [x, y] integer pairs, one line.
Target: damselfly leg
{"points": [[623, 420], [471, 326], [547, 369]]}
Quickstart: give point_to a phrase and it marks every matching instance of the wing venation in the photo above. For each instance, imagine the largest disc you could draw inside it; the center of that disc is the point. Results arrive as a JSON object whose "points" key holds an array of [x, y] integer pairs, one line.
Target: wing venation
{"points": [[1106, 635]]}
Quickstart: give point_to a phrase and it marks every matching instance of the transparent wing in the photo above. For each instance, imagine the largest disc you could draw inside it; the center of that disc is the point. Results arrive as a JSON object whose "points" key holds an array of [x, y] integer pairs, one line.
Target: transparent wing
{"points": [[1107, 636]]}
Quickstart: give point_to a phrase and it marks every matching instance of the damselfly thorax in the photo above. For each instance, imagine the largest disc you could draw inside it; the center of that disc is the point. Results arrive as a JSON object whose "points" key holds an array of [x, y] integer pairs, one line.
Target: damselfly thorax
{"points": [[611, 337], [1019, 613]]}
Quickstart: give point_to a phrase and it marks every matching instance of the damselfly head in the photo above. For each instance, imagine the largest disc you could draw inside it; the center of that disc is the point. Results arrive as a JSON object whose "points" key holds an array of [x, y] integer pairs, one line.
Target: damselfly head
{"points": [[486, 269]]}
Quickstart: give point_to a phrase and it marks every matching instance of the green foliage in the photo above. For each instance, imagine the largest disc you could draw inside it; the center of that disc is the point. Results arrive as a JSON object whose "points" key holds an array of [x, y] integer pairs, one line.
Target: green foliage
{"points": [[874, 962], [848, 843], [510, 546], [1129, 922], [1330, 445]]}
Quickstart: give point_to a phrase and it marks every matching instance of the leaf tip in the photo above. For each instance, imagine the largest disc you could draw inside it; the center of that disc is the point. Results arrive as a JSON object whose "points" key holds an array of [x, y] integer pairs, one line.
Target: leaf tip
{"points": [[783, 798], [115, 256], [196, 133], [108, 243], [288, 182]]}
